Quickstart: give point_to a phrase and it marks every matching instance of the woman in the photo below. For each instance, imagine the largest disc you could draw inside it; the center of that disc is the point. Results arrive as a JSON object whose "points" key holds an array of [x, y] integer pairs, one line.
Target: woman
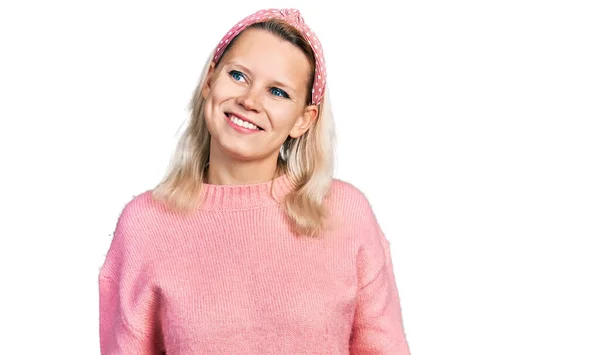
{"points": [[249, 246]]}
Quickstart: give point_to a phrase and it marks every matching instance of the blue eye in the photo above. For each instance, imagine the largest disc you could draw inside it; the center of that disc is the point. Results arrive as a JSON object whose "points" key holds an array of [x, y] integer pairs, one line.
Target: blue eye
{"points": [[236, 75], [279, 92]]}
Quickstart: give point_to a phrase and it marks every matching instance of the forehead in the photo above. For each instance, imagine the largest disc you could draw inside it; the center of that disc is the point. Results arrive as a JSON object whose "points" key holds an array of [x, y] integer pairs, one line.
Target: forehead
{"points": [[270, 56]]}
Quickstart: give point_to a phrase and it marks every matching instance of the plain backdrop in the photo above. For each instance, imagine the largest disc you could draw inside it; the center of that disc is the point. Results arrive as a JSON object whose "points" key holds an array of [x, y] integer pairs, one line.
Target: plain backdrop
{"points": [[473, 127]]}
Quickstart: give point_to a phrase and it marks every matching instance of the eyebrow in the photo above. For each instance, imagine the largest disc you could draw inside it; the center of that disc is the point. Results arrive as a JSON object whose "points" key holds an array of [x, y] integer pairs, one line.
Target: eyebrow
{"points": [[275, 82]]}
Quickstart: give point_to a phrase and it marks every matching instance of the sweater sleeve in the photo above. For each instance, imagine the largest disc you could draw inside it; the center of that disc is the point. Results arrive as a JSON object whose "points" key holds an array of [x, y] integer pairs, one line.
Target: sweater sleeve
{"points": [[129, 322], [378, 326]]}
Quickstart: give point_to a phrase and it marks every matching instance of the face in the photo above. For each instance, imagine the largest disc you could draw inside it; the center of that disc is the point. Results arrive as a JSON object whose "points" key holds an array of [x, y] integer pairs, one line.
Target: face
{"points": [[256, 97]]}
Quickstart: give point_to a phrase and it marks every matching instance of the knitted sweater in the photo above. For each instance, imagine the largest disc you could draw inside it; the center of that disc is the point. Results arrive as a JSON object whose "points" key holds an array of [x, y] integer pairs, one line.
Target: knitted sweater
{"points": [[232, 278]]}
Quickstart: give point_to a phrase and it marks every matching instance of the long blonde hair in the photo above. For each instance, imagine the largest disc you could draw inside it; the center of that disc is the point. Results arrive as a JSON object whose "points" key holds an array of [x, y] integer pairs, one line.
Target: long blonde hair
{"points": [[307, 160]]}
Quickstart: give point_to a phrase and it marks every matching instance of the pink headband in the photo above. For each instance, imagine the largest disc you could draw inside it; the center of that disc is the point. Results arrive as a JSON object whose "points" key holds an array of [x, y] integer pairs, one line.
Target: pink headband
{"points": [[293, 18]]}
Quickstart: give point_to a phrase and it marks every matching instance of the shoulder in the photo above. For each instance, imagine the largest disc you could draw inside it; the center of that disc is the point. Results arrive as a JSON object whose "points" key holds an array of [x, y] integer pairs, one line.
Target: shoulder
{"points": [[138, 211], [356, 218], [352, 216], [350, 204], [345, 195], [144, 219], [135, 234]]}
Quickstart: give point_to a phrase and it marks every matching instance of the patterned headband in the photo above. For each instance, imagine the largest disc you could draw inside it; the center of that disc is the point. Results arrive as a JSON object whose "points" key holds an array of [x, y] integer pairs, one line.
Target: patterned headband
{"points": [[293, 18]]}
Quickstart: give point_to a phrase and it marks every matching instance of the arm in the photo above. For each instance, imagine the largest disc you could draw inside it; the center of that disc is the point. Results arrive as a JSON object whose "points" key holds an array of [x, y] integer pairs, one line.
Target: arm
{"points": [[129, 322], [378, 326], [117, 336]]}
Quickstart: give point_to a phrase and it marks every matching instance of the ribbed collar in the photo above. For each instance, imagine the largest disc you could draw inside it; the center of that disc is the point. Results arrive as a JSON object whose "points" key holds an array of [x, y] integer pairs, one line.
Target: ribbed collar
{"points": [[241, 197]]}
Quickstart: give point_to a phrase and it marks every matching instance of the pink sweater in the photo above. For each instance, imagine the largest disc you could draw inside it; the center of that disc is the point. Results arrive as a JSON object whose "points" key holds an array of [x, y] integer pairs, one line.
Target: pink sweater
{"points": [[233, 279]]}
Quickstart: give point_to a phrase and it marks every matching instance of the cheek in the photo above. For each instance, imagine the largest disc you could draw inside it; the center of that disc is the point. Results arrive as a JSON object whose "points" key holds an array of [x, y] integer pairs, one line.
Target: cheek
{"points": [[208, 120], [284, 117], [224, 89], [209, 113], [218, 94]]}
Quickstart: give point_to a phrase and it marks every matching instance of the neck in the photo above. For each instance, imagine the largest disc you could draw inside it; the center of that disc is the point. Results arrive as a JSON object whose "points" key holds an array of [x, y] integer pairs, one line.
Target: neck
{"points": [[245, 196], [226, 171]]}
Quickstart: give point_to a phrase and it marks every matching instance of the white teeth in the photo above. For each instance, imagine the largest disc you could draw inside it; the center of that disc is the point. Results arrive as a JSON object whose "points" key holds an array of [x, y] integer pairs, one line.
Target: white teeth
{"points": [[241, 123]]}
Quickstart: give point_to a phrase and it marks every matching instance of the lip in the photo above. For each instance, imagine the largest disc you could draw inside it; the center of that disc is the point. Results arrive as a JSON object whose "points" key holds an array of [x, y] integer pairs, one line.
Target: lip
{"points": [[238, 128], [244, 119]]}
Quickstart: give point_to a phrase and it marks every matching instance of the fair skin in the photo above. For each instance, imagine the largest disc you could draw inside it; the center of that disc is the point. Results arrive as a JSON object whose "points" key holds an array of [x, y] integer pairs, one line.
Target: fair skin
{"points": [[261, 79]]}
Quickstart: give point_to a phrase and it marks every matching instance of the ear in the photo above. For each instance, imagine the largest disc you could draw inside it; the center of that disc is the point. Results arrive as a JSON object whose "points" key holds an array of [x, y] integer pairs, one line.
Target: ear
{"points": [[208, 81], [304, 122]]}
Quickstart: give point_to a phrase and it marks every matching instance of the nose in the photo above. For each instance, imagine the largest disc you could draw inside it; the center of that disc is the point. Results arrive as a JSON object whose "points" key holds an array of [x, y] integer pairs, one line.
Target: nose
{"points": [[250, 100]]}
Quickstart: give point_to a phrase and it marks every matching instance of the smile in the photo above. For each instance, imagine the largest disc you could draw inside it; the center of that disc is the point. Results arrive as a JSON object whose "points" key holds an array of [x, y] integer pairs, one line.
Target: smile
{"points": [[237, 121]]}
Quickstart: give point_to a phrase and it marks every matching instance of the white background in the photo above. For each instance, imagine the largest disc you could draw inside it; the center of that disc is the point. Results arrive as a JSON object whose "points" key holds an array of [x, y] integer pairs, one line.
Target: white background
{"points": [[472, 126]]}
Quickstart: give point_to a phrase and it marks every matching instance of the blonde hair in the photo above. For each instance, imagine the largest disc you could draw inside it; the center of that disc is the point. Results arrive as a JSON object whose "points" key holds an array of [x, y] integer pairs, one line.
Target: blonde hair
{"points": [[307, 160]]}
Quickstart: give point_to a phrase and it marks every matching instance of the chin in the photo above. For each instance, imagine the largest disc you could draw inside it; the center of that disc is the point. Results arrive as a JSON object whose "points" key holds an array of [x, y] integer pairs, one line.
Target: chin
{"points": [[242, 153], [238, 151]]}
